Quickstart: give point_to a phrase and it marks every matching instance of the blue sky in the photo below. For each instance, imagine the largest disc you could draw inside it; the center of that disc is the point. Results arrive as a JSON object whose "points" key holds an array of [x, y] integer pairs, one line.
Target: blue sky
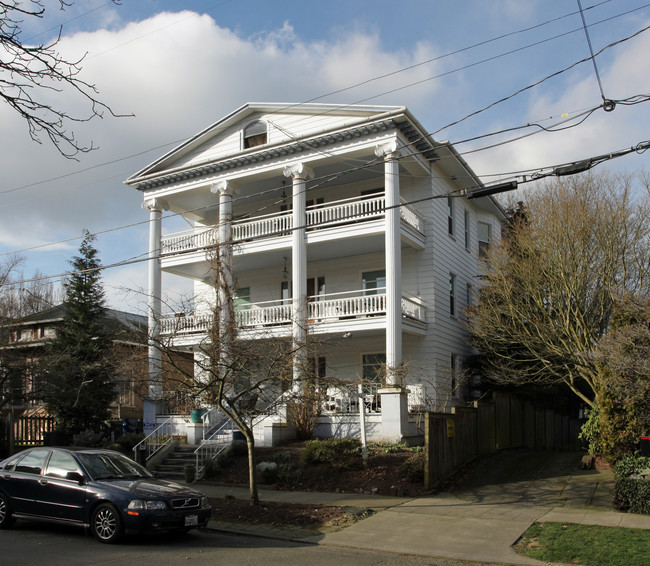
{"points": [[180, 66]]}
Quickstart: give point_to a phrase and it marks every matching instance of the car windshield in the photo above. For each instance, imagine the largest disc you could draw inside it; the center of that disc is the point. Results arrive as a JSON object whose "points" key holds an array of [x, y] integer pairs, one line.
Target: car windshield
{"points": [[111, 466]]}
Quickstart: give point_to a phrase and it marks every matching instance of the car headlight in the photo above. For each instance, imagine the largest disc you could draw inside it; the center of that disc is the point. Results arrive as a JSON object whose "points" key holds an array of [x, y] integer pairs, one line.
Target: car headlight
{"points": [[139, 504], [204, 501]]}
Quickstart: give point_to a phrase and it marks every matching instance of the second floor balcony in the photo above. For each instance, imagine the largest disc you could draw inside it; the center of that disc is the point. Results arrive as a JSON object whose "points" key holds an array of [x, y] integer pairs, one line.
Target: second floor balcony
{"points": [[355, 214], [329, 313]]}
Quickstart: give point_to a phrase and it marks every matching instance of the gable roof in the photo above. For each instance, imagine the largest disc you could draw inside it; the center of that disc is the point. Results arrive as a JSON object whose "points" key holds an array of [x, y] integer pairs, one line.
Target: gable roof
{"points": [[249, 110]]}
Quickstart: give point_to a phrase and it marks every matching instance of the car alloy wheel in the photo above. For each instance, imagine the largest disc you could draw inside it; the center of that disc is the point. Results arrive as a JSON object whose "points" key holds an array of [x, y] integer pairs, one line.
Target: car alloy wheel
{"points": [[6, 519], [106, 524]]}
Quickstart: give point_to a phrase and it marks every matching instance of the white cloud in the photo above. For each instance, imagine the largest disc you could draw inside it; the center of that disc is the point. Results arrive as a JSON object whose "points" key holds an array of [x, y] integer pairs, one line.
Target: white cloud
{"points": [[180, 72], [177, 73], [626, 73]]}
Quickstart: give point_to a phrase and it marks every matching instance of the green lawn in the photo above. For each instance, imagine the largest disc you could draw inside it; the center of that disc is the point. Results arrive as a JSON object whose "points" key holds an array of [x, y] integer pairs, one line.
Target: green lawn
{"points": [[586, 544]]}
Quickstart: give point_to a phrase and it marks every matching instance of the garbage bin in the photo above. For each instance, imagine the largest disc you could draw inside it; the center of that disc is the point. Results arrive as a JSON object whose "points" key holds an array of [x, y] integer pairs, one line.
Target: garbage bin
{"points": [[196, 415], [190, 473], [645, 446]]}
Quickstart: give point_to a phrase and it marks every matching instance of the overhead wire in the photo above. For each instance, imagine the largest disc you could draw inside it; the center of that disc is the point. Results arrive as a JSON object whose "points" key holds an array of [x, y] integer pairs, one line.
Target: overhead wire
{"points": [[608, 105], [339, 107], [557, 170], [638, 99]]}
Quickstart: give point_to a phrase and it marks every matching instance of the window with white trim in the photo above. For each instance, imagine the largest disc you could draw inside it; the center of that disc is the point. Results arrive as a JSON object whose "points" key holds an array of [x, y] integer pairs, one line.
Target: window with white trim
{"points": [[452, 294], [242, 299], [484, 237], [450, 216], [255, 134], [453, 370]]}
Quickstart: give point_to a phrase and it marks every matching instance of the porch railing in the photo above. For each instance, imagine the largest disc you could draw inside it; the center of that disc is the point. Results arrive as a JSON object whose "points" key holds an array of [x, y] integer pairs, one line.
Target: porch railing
{"points": [[319, 217], [345, 400], [346, 304], [320, 308]]}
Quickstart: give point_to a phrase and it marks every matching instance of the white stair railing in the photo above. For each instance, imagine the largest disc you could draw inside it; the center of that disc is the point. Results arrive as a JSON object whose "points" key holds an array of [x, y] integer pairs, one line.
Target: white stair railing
{"points": [[159, 437], [219, 440], [211, 447]]}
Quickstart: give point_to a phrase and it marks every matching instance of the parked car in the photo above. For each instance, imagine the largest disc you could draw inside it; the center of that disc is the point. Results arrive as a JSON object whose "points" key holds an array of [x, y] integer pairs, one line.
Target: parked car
{"points": [[100, 489]]}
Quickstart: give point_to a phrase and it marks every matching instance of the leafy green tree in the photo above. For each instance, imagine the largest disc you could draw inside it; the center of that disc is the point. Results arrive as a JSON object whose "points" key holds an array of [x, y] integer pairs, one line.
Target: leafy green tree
{"points": [[624, 386], [79, 369]]}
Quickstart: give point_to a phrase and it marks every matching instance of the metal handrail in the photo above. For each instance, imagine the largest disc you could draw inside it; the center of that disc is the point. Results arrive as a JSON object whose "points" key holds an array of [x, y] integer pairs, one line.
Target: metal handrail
{"points": [[159, 437], [211, 447], [217, 442]]}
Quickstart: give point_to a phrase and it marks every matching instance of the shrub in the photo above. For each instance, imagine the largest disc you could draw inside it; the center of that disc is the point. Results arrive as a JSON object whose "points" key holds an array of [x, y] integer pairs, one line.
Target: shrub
{"points": [[127, 442], [413, 468], [283, 456], [267, 472], [340, 453], [89, 438], [389, 447], [632, 484], [590, 431]]}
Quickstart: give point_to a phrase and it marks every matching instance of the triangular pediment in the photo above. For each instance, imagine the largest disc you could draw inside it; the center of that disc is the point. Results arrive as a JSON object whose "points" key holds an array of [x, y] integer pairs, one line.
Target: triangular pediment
{"points": [[283, 123]]}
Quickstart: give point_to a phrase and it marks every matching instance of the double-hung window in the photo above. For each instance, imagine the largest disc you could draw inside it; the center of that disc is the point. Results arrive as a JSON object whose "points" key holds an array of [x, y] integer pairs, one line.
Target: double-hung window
{"points": [[484, 237], [452, 294]]}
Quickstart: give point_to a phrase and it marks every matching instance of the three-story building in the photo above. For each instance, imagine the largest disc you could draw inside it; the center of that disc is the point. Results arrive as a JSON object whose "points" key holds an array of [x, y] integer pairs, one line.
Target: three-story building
{"points": [[346, 223]]}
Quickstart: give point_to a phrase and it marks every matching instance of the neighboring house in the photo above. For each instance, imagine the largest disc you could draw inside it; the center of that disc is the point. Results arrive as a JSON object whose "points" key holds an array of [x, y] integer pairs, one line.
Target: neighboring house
{"points": [[353, 210], [26, 345]]}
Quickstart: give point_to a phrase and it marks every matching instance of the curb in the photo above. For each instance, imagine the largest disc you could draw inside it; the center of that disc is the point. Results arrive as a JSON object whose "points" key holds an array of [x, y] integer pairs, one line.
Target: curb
{"points": [[290, 534]]}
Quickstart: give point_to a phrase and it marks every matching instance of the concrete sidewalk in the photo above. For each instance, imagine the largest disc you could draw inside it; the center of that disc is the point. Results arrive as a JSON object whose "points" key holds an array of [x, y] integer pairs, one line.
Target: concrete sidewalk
{"points": [[478, 523]]}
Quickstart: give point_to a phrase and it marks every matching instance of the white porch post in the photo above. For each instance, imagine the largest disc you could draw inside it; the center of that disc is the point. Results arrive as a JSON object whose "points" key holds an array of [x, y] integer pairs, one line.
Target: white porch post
{"points": [[393, 261], [299, 174], [394, 409], [153, 403], [225, 191]]}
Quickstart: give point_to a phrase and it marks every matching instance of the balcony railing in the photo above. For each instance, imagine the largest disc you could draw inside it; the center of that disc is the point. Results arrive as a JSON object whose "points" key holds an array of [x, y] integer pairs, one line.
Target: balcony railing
{"points": [[321, 308], [319, 217]]}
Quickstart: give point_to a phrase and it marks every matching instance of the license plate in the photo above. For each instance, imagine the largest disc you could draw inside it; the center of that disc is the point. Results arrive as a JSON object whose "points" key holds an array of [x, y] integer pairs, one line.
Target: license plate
{"points": [[191, 520]]}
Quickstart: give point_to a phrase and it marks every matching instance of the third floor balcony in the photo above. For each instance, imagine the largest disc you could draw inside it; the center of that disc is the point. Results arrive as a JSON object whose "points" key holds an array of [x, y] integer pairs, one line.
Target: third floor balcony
{"points": [[348, 218]]}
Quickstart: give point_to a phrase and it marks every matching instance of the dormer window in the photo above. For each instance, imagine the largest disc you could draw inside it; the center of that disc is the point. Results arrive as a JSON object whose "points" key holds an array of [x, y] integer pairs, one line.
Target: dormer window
{"points": [[255, 134]]}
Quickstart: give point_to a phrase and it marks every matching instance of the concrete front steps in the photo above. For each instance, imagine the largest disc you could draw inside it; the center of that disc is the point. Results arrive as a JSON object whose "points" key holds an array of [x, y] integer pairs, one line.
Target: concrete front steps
{"points": [[172, 467]]}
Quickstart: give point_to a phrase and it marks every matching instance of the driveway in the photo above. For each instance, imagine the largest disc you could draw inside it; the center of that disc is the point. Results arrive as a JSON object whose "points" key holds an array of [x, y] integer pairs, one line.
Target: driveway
{"points": [[544, 478]]}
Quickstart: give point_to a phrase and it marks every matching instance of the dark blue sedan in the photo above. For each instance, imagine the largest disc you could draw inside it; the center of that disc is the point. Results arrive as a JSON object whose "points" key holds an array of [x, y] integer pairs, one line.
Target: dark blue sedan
{"points": [[100, 489]]}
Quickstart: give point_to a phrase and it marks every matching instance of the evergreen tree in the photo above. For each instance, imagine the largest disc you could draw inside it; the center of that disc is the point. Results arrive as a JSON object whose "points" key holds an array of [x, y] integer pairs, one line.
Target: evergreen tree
{"points": [[80, 368]]}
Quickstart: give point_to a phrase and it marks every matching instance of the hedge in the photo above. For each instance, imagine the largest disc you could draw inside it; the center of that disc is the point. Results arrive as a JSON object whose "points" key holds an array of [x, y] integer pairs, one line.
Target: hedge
{"points": [[632, 484]]}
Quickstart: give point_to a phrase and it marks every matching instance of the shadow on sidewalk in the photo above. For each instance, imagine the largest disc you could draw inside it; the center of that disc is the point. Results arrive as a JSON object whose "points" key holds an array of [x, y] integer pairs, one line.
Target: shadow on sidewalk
{"points": [[545, 478]]}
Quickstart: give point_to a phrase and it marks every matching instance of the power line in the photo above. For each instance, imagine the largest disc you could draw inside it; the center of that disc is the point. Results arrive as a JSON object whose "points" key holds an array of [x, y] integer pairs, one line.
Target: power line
{"points": [[639, 98], [553, 170], [339, 107], [608, 105]]}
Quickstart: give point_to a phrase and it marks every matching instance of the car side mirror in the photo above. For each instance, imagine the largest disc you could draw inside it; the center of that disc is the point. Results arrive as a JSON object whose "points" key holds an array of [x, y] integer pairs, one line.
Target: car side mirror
{"points": [[76, 476]]}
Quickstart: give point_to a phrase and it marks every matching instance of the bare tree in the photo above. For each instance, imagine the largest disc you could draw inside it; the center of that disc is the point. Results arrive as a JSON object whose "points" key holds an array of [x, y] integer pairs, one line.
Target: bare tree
{"points": [[20, 296], [550, 285], [29, 72], [245, 377]]}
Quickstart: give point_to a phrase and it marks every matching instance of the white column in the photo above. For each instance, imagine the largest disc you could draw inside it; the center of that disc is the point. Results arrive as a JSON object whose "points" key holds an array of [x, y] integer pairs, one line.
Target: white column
{"points": [[393, 261], [224, 279], [299, 173], [394, 410], [155, 207]]}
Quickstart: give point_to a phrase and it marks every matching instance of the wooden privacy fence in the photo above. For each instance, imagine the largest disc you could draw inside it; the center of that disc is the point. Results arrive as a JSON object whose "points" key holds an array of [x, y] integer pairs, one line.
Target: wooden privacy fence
{"points": [[30, 431], [451, 440]]}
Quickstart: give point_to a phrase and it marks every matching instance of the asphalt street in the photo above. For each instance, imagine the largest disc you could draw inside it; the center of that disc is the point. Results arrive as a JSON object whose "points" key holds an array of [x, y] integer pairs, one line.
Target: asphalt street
{"points": [[41, 544]]}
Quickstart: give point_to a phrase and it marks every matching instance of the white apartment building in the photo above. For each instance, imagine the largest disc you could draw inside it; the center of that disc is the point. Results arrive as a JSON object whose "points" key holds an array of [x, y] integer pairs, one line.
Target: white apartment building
{"points": [[354, 211]]}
